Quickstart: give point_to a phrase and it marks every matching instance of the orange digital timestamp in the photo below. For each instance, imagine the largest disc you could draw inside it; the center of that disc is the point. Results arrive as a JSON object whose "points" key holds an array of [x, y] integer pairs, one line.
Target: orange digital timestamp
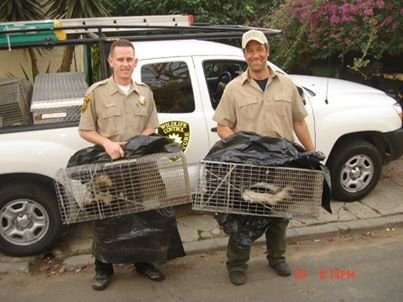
{"points": [[326, 274]]}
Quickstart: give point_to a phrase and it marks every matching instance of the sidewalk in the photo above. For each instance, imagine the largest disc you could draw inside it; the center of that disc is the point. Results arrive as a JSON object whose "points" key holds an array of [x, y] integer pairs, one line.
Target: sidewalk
{"points": [[383, 208]]}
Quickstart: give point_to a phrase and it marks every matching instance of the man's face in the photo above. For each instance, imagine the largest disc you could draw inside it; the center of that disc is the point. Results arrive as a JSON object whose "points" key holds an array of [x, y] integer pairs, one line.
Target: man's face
{"points": [[256, 56], [123, 62]]}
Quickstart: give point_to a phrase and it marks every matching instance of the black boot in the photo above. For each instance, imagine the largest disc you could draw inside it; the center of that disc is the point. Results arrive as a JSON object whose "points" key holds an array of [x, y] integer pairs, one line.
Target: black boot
{"points": [[103, 275], [150, 271], [101, 281], [281, 268]]}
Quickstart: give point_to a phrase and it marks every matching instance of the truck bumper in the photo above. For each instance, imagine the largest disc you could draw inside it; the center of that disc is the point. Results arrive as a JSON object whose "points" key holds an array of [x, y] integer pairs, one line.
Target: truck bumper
{"points": [[394, 140]]}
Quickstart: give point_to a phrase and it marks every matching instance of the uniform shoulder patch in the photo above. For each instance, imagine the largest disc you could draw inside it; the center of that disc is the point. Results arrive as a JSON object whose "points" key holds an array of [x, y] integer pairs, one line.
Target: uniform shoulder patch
{"points": [[86, 104]]}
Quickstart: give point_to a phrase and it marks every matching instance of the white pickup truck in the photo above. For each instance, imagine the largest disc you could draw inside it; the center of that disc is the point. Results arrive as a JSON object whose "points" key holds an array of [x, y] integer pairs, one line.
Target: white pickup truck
{"points": [[358, 128]]}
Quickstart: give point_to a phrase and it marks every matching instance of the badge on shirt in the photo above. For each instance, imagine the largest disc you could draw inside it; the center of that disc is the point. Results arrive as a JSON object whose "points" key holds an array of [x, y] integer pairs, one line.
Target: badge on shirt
{"points": [[142, 100], [86, 103]]}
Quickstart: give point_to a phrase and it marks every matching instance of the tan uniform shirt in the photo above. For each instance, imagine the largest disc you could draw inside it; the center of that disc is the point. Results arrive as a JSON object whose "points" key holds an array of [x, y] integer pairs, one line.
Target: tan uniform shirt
{"points": [[245, 107], [115, 115]]}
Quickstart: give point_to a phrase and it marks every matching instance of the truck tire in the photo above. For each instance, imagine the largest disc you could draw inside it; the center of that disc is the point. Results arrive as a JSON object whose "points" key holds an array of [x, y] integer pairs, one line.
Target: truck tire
{"points": [[30, 222], [355, 168]]}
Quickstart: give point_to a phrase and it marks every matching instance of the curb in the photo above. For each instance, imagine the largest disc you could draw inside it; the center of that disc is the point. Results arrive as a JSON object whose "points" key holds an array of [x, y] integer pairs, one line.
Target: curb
{"points": [[308, 232], [23, 265]]}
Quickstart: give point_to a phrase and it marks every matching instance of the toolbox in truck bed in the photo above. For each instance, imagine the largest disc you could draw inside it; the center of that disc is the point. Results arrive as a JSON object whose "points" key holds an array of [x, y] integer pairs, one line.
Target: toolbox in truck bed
{"points": [[57, 97]]}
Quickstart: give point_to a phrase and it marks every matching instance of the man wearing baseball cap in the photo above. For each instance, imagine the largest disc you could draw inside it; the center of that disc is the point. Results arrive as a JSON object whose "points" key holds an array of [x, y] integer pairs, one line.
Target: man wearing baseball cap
{"points": [[267, 103], [254, 35]]}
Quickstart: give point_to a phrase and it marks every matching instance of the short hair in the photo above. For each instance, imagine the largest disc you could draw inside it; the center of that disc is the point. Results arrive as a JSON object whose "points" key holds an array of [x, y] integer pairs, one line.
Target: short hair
{"points": [[120, 43]]}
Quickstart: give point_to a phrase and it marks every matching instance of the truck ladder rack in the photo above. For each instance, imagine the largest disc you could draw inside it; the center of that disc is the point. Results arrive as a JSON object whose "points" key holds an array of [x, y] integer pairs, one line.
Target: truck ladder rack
{"points": [[86, 31], [101, 31]]}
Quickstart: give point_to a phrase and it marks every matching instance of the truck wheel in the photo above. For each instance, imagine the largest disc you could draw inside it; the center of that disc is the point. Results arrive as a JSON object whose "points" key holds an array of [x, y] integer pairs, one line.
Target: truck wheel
{"points": [[355, 168], [30, 222]]}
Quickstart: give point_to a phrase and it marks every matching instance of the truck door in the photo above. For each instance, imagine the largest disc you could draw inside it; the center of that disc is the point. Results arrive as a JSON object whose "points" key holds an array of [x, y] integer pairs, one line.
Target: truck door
{"points": [[177, 97], [215, 72]]}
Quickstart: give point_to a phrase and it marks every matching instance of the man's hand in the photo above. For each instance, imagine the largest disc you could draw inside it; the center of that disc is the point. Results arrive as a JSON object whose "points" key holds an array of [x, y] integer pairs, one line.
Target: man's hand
{"points": [[114, 149]]}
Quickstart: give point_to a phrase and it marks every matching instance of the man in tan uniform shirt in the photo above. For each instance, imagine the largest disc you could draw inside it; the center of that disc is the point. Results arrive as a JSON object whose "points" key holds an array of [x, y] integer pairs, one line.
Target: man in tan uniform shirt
{"points": [[267, 103], [113, 111]]}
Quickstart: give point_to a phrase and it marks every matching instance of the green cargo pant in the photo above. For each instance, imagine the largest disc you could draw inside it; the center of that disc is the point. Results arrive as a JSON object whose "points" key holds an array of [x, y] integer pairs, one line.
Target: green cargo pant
{"points": [[237, 259]]}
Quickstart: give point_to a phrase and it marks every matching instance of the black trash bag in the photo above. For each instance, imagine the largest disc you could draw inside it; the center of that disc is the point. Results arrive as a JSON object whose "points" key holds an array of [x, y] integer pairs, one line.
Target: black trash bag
{"points": [[136, 146], [150, 236], [243, 229], [250, 148]]}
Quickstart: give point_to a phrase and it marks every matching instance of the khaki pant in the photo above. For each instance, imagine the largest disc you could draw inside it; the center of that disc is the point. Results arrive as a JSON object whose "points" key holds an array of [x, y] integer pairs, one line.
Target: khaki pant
{"points": [[237, 259]]}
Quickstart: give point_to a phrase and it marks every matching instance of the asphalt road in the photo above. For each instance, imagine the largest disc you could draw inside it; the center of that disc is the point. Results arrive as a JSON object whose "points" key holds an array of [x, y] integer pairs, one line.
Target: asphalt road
{"points": [[353, 267]]}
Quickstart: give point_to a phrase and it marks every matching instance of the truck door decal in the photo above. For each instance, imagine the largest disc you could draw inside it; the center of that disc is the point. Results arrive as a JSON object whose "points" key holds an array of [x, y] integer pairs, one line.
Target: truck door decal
{"points": [[179, 131]]}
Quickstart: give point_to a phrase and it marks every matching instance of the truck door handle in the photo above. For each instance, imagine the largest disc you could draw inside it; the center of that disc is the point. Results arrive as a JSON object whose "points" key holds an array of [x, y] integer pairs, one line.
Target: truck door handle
{"points": [[214, 129]]}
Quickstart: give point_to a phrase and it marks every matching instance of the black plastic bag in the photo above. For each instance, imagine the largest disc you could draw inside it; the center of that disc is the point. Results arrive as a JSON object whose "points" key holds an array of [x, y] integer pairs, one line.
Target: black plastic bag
{"points": [[251, 148], [136, 146], [150, 236], [244, 229]]}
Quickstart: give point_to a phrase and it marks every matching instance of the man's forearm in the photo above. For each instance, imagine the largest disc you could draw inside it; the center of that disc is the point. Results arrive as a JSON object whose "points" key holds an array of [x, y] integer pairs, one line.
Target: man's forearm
{"points": [[93, 137], [148, 131], [302, 132], [114, 149], [224, 131]]}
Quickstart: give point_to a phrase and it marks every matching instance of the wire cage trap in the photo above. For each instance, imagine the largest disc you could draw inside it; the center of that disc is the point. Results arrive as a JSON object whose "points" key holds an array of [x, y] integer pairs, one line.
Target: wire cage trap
{"points": [[258, 190], [102, 190]]}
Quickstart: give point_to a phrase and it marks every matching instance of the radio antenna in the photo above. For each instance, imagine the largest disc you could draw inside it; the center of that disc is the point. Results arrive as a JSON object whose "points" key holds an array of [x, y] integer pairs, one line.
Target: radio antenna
{"points": [[327, 80]]}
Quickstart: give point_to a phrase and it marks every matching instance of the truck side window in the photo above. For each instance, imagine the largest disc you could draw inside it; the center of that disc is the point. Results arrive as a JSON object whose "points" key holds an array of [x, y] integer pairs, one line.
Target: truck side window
{"points": [[171, 85], [218, 73]]}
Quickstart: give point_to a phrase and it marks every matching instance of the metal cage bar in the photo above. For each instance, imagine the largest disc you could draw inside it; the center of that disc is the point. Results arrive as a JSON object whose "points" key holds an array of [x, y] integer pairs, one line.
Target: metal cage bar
{"points": [[103, 190], [258, 190]]}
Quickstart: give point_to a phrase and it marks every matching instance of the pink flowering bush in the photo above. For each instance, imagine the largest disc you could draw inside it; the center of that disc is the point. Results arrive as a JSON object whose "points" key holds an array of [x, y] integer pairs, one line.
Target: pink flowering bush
{"points": [[318, 29]]}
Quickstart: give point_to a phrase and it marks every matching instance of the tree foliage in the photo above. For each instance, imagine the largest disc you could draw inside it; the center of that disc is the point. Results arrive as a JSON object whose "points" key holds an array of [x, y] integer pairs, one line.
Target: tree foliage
{"points": [[312, 29], [75, 9], [318, 29], [12, 10], [68, 9], [213, 11]]}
